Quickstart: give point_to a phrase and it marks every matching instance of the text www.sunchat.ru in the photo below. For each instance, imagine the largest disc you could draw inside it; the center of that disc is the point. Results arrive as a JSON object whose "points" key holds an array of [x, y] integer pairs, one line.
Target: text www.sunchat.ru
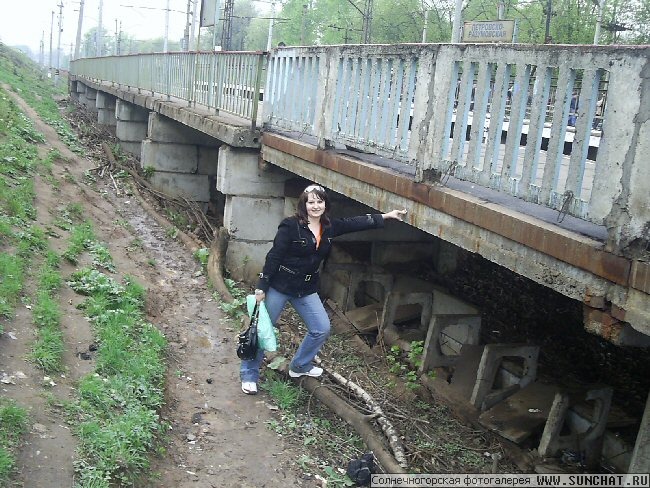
{"points": [[471, 480]]}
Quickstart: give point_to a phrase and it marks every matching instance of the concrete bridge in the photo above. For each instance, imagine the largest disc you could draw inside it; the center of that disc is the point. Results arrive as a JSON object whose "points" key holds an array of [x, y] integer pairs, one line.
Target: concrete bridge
{"points": [[534, 158]]}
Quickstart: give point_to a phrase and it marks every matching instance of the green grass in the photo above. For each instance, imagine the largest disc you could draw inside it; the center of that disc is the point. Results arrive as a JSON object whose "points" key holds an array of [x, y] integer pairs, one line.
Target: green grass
{"points": [[13, 424], [11, 284], [47, 351], [117, 408], [29, 81], [285, 393]]}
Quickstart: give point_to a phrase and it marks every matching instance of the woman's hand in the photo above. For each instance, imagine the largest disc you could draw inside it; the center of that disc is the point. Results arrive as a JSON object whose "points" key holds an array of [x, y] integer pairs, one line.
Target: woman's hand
{"points": [[395, 214], [259, 295]]}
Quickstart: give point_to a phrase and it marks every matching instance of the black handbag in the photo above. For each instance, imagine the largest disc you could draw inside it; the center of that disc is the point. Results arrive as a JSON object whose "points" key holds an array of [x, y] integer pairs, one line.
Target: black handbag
{"points": [[247, 340]]}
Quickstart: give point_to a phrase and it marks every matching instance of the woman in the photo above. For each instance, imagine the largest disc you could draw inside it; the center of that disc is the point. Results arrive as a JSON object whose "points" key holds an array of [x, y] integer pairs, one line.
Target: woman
{"points": [[291, 274]]}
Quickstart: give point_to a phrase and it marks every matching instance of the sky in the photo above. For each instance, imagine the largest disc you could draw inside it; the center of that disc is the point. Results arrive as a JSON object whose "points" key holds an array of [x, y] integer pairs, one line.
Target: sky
{"points": [[27, 22]]}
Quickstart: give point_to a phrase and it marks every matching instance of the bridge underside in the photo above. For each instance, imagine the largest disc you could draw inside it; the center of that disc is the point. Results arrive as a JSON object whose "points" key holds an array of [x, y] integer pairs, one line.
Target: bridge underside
{"points": [[612, 288]]}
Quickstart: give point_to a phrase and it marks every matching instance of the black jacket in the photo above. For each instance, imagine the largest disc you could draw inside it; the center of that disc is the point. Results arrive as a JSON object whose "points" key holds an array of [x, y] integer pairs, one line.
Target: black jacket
{"points": [[292, 264]]}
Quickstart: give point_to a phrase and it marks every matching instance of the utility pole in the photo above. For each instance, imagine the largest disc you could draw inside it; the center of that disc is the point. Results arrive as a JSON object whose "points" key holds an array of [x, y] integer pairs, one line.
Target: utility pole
{"points": [[166, 27], [302, 25], [547, 31], [115, 47], [51, 34], [501, 7], [269, 39], [41, 56], [599, 20], [77, 46], [186, 33], [367, 21], [458, 13], [98, 36], [226, 33], [426, 21], [194, 17], [58, 45]]}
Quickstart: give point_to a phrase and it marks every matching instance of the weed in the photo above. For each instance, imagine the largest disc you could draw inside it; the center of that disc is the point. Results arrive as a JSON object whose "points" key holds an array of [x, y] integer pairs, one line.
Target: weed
{"points": [[202, 255], [172, 232], [136, 243], [285, 394], [81, 238], [13, 424], [337, 478], [415, 354], [148, 171], [11, 283], [151, 262], [101, 256]]}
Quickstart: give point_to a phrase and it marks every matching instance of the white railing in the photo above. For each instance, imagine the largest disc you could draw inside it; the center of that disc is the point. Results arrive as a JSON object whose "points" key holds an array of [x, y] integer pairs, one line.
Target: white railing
{"points": [[223, 81], [561, 126], [524, 120]]}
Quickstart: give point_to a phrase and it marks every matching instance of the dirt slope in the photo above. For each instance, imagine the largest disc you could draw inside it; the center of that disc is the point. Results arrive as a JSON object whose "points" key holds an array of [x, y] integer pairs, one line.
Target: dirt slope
{"points": [[218, 436]]}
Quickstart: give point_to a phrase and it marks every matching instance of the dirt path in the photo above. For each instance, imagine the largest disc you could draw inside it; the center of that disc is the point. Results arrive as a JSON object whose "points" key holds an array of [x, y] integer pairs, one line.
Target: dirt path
{"points": [[219, 436]]}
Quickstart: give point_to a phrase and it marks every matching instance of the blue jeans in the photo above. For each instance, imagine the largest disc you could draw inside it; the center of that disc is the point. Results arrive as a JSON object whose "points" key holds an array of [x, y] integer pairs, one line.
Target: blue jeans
{"points": [[312, 312]]}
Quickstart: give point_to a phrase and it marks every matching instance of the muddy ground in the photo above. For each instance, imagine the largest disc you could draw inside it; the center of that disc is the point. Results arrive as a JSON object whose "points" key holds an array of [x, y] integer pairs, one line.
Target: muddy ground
{"points": [[218, 436]]}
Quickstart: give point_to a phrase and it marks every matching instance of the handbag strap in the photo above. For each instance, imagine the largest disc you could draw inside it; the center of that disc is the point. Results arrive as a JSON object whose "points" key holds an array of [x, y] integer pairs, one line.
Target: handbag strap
{"points": [[255, 315]]}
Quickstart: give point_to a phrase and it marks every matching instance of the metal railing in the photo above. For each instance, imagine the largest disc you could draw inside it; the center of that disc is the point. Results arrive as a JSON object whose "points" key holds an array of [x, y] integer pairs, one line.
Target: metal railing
{"points": [[222, 81]]}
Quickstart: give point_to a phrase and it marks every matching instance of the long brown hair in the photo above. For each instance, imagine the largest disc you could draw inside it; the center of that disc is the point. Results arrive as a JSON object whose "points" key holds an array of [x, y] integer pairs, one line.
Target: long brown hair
{"points": [[301, 208]]}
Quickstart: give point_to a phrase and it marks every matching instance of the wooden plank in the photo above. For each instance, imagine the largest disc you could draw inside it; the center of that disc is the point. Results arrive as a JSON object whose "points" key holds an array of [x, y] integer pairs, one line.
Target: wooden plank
{"points": [[521, 415]]}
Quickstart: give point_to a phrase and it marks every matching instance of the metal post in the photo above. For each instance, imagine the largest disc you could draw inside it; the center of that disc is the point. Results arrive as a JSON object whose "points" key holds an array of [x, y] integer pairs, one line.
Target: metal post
{"points": [[79, 24]]}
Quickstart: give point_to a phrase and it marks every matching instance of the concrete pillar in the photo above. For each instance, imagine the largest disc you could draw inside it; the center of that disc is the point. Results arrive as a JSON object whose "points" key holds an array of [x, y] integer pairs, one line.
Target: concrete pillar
{"points": [[105, 104], [184, 160], [90, 99], [250, 193], [640, 462], [131, 128]]}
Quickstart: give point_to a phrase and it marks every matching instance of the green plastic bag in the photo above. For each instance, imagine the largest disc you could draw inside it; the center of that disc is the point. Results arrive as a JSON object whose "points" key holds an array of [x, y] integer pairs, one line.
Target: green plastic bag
{"points": [[265, 331]]}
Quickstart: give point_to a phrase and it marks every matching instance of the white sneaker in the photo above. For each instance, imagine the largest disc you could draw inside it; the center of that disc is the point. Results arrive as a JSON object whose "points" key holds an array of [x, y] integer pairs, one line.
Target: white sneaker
{"points": [[314, 372], [249, 387]]}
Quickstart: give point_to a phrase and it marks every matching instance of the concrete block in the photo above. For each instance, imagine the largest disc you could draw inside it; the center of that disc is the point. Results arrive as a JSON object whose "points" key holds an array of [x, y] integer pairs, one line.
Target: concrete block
{"points": [[105, 100], [134, 148], [458, 330], [163, 129], [484, 395], [177, 158], [192, 187], [131, 131], [208, 159], [130, 112], [91, 94], [242, 217], [106, 116], [80, 88], [579, 438], [239, 174], [245, 259], [369, 275]]}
